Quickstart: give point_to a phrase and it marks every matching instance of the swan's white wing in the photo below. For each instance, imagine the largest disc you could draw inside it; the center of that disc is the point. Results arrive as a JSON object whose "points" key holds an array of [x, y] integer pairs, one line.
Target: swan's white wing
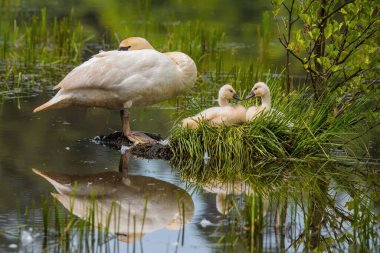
{"points": [[208, 114], [112, 69], [111, 79]]}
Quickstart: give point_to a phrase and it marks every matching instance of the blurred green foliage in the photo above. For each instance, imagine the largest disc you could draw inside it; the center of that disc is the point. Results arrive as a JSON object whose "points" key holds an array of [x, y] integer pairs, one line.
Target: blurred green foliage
{"points": [[336, 43], [216, 34]]}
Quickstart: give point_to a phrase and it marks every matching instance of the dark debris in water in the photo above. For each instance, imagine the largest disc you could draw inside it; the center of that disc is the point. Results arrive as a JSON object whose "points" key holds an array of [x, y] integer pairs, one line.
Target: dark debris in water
{"points": [[148, 151], [152, 151], [114, 140]]}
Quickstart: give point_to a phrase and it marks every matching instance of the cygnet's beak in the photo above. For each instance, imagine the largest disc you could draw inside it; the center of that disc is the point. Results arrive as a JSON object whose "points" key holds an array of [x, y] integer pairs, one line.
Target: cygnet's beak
{"points": [[250, 95], [236, 96]]}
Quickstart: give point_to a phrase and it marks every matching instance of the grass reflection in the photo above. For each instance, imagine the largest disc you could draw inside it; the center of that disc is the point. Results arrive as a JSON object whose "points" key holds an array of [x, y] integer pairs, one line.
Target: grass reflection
{"points": [[288, 206], [291, 206], [97, 211]]}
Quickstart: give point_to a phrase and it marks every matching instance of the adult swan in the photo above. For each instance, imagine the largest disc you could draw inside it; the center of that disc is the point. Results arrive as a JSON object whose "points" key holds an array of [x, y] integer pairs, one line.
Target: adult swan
{"points": [[134, 75]]}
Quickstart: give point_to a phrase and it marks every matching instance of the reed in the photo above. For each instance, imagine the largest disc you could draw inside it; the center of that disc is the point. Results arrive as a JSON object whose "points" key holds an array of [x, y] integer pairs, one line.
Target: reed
{"points": [[33, 46], [89, 225]]}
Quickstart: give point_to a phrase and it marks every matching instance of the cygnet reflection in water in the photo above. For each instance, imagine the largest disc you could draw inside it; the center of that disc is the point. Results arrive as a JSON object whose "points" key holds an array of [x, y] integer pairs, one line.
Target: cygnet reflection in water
{"points": [[223, 191], [129, 206], [227, 192]]}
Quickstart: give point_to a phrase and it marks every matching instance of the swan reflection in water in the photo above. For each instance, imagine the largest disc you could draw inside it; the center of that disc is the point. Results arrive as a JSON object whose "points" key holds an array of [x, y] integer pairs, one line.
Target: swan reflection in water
{"points": [[127, 205]]}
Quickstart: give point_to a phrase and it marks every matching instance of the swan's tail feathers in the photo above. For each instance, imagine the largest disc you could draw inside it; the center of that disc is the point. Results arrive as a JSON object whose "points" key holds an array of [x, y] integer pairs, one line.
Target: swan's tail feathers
{"points": [[55, 102], [46, 175], [61, 182], [189, 123]]}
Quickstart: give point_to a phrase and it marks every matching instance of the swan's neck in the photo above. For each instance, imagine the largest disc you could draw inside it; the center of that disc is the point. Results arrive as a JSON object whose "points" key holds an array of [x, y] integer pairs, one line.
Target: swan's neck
{"points": [[265, 101], [223, 101]]}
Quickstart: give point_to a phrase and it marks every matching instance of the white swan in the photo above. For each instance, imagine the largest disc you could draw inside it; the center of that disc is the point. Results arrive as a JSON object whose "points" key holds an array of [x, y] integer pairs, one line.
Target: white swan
{"points": [[133, 75], [260, 89], [224, 114]]}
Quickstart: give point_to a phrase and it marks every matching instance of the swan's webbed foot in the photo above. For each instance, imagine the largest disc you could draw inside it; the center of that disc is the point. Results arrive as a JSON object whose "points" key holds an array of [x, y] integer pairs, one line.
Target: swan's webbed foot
{"points": [[139, 137], [134, 137]]}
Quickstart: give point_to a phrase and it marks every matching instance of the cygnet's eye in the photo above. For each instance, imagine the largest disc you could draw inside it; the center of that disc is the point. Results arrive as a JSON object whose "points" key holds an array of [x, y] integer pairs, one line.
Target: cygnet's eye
{"points": [[255, 88], [231, 91]]}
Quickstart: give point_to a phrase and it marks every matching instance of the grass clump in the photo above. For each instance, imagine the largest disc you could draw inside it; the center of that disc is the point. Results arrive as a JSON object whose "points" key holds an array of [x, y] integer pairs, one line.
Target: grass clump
{"points": [[297, 127], [266, 137]]}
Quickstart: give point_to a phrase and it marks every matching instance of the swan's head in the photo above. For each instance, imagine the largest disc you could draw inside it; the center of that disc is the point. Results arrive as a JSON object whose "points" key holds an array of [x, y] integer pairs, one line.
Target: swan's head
{"points": [[228, 92], [134, 43], [260, 89]]}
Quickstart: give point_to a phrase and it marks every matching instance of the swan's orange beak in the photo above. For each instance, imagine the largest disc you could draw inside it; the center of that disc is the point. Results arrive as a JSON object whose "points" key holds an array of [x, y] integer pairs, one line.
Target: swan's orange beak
{"points": [[250, 95]]}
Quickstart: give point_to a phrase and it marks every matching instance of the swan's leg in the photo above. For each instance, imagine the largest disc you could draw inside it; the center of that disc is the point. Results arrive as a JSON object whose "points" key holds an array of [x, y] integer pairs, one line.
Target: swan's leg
{"points": [[123, 164], [124, 114], [135, 137]]}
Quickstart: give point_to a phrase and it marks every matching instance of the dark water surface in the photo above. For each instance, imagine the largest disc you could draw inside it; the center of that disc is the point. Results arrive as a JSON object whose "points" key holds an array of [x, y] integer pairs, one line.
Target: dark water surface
{"points": [[59, 141]]}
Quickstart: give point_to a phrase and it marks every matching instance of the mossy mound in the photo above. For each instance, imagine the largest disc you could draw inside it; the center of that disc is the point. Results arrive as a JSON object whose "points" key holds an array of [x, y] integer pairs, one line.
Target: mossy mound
{"points": [[297, 128]]}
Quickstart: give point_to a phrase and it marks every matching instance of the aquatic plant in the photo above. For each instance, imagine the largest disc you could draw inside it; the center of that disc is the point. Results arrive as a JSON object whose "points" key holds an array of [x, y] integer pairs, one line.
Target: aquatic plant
{"points": [[88, 225], [34, 43]]}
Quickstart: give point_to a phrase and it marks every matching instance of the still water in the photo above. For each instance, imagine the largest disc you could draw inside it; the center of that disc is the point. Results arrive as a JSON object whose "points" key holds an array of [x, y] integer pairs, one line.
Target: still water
{"points": [[58, 146], [60, 141]]}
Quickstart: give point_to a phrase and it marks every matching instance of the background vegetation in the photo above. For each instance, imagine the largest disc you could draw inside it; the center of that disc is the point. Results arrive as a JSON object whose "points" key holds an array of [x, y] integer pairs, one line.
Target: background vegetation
{"points": [[333, 42], [336, 45]]}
